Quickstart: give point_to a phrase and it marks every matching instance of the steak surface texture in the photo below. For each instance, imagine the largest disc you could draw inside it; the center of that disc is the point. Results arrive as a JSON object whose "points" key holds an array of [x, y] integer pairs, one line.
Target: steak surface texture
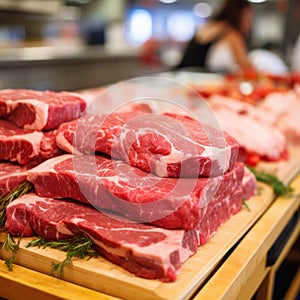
{"points": [[144, 250], [137, 195], [11, 175], [168, 145], [40, 110], [26, 146], [252, 129], [17, 144]]}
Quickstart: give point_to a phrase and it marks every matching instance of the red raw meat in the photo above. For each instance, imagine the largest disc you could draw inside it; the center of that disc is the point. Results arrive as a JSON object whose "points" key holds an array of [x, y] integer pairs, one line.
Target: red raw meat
{"points": [[17, 144], [48, 148], [217, 214], [285, 109], [250, 126], [249, 184], [144, 250], [167, 145], [40, 110], [26, 146], [137, 195], [11, 175]]}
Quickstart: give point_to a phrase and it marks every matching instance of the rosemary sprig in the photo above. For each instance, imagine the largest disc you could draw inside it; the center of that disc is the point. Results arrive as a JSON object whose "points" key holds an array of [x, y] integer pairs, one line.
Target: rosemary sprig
{"points": [[22, 189], [75, 247], [245, 204], [279, 188], [10, 244]]}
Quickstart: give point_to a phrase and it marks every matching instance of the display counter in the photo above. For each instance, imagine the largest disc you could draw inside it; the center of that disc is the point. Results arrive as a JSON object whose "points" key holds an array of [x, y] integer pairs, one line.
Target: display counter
{"points": [[69, 67], [252, 266], [232, 265], [238, 262], [243, 273]]}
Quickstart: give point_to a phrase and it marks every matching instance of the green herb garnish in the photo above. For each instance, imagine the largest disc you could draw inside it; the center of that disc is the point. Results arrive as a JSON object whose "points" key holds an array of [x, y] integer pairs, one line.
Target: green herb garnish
{"points": [[245, 204], [75, 247], [22, 189], [279, 188], [10, 244]]}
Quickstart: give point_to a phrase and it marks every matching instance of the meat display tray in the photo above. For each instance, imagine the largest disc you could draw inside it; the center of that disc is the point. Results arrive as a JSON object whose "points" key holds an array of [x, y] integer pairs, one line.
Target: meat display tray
{"points": [[100, 275]]}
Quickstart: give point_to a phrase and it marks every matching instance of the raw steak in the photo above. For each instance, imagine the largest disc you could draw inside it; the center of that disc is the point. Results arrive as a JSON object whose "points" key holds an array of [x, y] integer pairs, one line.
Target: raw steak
{"points": [[40, 110], [137, 195], [18, 145], [256, 138], [144, 250], [240, 108], [95, 133], [11, 175], [13, 95], [219, 212], [167, 145], [48, 148], [249, 184], [26, 146], [285, 110]]}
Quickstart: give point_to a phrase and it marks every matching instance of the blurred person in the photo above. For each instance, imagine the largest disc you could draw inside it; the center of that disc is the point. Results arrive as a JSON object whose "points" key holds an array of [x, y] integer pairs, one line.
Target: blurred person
{"points": [[220, 44]]}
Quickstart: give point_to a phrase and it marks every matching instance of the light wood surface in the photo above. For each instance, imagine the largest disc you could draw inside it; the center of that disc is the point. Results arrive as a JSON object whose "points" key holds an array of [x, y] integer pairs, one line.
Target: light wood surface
{"points": [[22, 281], [232, 276], [103, 276], [107, 278], [266, 289]]}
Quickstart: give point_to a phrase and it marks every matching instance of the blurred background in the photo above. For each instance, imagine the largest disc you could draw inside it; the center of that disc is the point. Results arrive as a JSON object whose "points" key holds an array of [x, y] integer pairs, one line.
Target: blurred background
{"points": [[76, 44]]}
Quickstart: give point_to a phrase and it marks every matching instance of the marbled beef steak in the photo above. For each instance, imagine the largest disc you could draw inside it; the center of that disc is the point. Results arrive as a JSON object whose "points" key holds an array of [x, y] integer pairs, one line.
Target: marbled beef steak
{"points": [[144, 250]]}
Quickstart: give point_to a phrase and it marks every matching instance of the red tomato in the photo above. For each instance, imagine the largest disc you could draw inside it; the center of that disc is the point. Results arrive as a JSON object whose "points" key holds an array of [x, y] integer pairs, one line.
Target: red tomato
{"points": [[252, 159]]}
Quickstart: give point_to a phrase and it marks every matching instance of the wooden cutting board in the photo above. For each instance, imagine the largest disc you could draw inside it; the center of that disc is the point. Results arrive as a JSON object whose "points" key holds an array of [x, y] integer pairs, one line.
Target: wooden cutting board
{"points": [[100, 275]]}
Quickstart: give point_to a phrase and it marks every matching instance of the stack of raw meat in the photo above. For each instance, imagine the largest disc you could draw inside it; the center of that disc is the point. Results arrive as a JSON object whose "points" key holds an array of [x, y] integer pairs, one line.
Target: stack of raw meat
{"points": [[266, 130], [266, 109], [28, 123], [147, 188]]}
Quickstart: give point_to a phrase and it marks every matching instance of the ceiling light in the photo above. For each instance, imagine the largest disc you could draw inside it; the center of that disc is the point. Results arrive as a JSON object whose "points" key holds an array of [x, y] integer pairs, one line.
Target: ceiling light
{"points": [[167, 1], [257, 1], [202, 10]]}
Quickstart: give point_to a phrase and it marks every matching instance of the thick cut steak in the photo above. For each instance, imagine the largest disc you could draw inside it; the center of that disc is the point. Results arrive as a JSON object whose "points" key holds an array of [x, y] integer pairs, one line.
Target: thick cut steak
{"points": [[40, 110], [13, 95], [144, 250], [11, 175], [249, 184], [137, 195], [48, 148], [26, 146], [217, 214], [17, 144], [167, 145]]}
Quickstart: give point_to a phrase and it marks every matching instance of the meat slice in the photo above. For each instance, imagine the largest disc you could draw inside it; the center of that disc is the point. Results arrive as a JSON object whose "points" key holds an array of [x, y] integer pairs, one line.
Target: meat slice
{"points": [[144, 250], [137, 195], [240, 108], [18, 145], [26, 146], [249, 184], [168, 145], [217, 214], [48, 148], [11, 175], [257, 138], [93, 133], [13, 95], [285, 110], [40, 110]]}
